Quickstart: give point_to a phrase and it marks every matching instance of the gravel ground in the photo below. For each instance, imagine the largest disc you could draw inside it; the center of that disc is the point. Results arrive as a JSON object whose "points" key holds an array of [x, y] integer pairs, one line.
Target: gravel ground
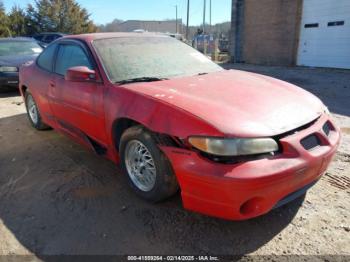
{"points": [[58, 198]]}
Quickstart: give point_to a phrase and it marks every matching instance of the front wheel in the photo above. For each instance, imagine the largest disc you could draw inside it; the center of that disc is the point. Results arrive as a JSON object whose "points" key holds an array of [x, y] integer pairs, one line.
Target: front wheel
{"points": [[148, 170], [33, 113]]}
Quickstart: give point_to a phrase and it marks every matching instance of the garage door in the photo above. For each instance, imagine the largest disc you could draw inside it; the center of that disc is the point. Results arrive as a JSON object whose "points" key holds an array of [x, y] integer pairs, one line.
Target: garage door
{"points": [[325, 34]]}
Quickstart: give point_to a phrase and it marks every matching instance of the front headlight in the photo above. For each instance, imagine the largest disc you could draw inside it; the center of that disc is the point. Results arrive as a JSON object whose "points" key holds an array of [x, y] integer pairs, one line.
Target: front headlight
{"points": [[8, 69], [234, 146]]}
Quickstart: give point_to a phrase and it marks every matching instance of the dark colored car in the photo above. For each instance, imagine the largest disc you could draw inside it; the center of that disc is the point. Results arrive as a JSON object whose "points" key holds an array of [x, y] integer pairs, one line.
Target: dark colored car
{"points": [[15, 52], [44, 39]]}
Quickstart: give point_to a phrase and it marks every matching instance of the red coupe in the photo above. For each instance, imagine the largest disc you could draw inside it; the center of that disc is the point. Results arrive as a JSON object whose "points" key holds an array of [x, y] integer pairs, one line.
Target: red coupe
{"points": [[236, 144]]}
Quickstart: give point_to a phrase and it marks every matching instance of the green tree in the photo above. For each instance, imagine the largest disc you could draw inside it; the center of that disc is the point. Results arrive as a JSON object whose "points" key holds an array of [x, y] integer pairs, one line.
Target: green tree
{"points": [[17, 21], [65, 16], [4, 22]]}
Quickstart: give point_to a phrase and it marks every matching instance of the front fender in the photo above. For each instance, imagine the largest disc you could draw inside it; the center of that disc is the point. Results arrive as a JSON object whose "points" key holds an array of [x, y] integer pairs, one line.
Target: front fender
{"points": [[156, 115]]}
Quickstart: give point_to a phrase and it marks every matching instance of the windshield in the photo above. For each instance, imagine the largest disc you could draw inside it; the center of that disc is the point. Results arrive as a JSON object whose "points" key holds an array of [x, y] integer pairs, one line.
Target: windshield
{"points": [[11, 48], [127, 58]]}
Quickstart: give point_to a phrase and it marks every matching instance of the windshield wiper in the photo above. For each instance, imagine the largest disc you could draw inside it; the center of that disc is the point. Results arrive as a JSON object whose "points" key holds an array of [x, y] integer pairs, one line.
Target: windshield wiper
{"points": [[140, 79]]}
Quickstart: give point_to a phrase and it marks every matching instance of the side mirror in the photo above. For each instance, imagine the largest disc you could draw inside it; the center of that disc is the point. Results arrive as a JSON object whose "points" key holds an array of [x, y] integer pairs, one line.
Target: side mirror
{"points": [[80, 74]]}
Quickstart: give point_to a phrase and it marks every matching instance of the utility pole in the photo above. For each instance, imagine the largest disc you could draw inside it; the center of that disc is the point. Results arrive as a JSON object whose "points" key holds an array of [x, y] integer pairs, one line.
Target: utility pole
{"points": [[210, 14], [204, 11], [176, 19], [188, 18]]}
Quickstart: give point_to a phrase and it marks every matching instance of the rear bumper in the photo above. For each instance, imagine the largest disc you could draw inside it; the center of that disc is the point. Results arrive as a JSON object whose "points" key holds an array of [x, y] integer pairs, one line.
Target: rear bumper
{"points": [[249, 189], [9, 80]]}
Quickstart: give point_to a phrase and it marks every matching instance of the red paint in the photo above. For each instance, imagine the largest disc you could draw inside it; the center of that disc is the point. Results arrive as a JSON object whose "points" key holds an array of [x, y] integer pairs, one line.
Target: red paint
{"points": [[225, 104]]}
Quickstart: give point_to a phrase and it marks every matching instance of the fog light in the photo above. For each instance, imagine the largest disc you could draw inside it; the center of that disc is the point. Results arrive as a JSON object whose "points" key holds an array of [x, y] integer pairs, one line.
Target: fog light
{"points": [[252, 207]]}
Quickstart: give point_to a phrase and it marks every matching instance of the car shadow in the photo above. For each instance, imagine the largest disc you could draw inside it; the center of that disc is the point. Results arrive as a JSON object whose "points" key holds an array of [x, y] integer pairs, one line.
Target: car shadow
{"points": [[8, 92], [58, 198], [332, 86]]}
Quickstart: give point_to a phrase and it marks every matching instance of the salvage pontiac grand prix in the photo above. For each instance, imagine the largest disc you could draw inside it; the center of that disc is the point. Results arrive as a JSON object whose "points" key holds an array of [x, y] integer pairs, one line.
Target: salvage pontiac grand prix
{"points": [[236, 144]]}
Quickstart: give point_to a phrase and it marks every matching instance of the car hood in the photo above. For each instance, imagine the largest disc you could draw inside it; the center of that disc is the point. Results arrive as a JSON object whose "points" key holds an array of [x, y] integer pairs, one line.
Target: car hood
{"points": [[16, 60], [238, 103]]}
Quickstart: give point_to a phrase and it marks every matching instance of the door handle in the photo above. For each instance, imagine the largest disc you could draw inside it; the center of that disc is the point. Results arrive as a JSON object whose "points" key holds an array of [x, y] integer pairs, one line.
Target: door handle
{"points": [[52, 84]]}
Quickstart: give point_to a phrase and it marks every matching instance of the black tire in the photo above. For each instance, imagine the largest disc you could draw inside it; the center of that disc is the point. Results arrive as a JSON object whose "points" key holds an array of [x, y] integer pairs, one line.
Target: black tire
{"points": [[165, 182], [39, 124]]}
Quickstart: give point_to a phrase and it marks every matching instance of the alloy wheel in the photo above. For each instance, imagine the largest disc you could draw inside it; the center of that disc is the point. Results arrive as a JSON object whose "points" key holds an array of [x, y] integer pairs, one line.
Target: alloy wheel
{"points": [[32, 109], [140, 165]]}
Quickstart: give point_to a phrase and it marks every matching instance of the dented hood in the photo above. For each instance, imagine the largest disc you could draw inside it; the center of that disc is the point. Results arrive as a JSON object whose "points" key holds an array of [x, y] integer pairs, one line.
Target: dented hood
{"points": [[238, 103]]}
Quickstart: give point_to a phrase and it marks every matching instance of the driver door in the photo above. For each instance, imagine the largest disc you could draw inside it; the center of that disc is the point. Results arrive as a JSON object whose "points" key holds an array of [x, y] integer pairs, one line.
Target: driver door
{"points": [[77, 106]]}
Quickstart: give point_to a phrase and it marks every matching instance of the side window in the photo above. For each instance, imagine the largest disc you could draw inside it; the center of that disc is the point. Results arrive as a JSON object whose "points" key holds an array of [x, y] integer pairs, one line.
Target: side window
{"points": [[49, 38], [69, 56], [38, 37], [45, 60]]}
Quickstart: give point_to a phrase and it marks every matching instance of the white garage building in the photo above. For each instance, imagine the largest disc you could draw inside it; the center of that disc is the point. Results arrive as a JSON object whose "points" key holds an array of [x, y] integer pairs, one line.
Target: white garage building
{"points": [[325, 34], [291, 32]]}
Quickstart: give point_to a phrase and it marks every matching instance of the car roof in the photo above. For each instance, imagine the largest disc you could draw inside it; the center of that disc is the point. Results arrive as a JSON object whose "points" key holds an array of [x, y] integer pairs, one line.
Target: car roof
{"points": [[97, 36], [23, 39]]}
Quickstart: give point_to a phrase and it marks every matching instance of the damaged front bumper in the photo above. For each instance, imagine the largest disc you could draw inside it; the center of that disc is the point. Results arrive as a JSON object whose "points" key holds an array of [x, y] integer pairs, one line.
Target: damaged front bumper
{"points": [[248, 189]]}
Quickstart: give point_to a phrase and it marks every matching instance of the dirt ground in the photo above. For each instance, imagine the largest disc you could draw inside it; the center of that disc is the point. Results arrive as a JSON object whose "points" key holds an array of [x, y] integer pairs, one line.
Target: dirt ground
{"points": [[58, 198]]}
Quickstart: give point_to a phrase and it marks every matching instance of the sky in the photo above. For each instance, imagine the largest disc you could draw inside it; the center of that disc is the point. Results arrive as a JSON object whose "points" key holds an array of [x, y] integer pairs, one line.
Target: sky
{"points": [[104, 11]]}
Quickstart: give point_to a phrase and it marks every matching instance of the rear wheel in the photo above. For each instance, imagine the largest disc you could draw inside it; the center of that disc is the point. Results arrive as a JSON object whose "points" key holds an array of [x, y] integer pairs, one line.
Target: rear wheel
{"points": [[148, 170], [33, 113]]}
